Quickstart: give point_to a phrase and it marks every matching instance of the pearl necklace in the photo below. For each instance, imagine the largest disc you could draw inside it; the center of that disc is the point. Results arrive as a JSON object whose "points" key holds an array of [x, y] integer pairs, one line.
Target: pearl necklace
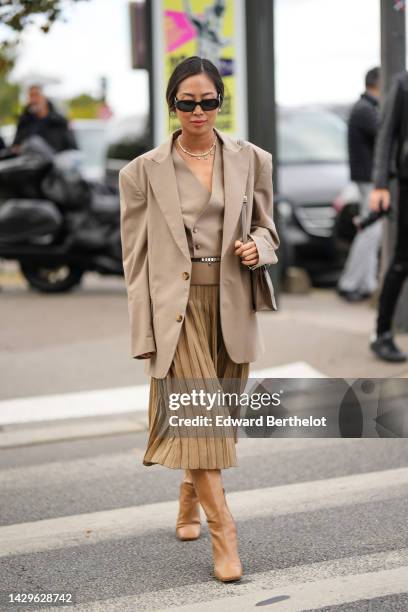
{"points": [[205, 155]]}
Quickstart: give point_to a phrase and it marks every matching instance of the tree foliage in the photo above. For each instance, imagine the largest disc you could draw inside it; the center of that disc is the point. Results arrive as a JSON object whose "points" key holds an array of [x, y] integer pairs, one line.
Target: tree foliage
{"points": [[18, 14], [9, 92], [15, 17], [83, 106]]}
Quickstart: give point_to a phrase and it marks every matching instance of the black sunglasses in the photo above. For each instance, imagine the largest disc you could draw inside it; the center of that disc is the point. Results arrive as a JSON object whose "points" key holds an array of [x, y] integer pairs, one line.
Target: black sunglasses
{"points": [[187, 106]]}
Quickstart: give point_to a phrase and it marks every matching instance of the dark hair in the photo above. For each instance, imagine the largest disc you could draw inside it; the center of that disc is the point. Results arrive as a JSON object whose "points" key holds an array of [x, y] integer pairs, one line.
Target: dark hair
{"points": [[372, 77], [188, 67]]}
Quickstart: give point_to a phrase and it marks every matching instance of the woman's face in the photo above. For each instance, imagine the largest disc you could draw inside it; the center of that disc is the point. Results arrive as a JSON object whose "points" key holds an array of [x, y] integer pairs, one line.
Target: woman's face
{"points": [[197, 87]]}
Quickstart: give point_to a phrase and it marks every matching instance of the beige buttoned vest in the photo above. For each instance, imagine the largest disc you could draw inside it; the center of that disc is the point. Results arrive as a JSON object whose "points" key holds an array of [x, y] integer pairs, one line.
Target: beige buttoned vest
{"points": [[203, 213]]}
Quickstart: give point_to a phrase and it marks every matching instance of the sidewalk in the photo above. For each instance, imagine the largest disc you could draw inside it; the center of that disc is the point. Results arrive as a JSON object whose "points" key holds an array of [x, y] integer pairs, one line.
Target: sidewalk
{"points": [[329, 334], [80, 340]]}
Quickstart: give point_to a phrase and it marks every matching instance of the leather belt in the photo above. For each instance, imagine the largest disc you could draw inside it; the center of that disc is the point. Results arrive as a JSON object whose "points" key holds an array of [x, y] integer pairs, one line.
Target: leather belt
{"points": [[205, 272], [206, 259]]}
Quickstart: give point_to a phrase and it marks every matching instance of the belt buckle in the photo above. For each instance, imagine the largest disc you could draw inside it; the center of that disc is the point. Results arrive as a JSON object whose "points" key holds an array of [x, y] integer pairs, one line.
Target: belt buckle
{"points": [[207, 259]]}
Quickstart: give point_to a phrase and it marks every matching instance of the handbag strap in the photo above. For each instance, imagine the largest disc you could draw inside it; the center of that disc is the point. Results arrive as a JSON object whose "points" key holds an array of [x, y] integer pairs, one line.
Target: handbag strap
{"points": [[244, 230], [244, 233]]}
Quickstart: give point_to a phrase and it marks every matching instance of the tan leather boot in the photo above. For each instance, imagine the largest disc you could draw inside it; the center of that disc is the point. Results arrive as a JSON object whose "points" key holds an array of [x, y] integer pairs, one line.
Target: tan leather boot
{"points": [[208, 485], [188, 524]]}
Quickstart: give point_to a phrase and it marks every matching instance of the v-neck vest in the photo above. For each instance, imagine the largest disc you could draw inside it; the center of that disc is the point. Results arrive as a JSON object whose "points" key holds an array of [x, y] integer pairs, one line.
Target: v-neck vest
{"points": [[203, 213]]}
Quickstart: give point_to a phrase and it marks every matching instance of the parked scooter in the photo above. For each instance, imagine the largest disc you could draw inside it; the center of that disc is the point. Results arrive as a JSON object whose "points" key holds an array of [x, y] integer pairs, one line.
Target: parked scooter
{"points": [[53, 221]]}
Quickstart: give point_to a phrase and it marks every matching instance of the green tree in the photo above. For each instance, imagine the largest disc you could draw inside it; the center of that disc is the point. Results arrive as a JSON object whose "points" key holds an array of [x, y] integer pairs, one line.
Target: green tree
{"points": [[18, 14], [9, 92], [83, 106], [15, 16]]}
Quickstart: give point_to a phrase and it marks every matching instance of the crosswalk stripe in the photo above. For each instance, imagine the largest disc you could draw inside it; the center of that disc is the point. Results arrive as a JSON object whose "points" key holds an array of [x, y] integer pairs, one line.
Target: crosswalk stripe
{"points": [[272, 501], [118, 400], [73, 430], [314, 594], [74, 405], [278, 580]]}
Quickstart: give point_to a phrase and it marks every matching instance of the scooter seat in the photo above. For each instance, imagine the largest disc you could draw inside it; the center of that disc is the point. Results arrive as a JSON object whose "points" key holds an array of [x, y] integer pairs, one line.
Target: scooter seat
{"points": [[24, 219], [106, 207]]}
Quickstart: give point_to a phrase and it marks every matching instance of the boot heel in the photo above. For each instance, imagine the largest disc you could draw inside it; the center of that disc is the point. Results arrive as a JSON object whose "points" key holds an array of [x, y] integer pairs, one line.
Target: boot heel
{"points": [[188, 525], [227, 564]]}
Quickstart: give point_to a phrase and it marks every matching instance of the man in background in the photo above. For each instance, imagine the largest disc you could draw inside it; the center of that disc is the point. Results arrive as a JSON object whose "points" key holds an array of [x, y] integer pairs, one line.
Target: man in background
{"points": [[391, 159], [359, 278], [40, 118]]}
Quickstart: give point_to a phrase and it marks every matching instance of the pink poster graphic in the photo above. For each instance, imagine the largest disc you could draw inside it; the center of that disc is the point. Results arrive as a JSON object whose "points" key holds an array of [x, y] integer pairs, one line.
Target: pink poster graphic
{"points": [[178, 29]]}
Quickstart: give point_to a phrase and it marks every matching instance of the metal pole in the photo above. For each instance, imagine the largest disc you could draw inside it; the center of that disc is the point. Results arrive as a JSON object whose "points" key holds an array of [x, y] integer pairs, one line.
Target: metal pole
{"points": [[261, 77], [393, 49], [392, 40], [149, 67], [261, 92]]}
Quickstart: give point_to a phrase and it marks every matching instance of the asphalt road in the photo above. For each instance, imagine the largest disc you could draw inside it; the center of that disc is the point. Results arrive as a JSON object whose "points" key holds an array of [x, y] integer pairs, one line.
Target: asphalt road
{"points": [[322, 522], [322, 525]]}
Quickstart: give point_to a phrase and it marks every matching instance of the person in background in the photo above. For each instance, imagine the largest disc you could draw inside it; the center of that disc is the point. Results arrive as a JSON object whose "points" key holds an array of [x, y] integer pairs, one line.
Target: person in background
{"points": [[391, 159], [40, 118], [359, 277]]}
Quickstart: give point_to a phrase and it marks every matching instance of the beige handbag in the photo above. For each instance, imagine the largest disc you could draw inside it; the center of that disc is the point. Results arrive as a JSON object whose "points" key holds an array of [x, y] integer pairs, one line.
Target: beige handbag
{"points": [[263, 294]]}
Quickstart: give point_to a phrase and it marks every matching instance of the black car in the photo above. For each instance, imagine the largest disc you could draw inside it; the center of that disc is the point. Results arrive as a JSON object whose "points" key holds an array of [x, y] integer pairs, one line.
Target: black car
{"points": [[312, 170]]}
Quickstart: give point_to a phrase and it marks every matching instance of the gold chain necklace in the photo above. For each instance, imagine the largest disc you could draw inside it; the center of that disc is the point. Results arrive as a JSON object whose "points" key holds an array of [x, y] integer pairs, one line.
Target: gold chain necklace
{"points": [[205, 155]]}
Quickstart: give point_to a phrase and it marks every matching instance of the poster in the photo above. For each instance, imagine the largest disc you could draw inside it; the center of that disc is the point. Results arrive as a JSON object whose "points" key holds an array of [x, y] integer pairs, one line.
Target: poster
{"points": [[213, 29]]}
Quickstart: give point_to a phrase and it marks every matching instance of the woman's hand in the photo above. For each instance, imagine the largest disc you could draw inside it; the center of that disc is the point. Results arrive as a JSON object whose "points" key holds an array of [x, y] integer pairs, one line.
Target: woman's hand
{"points": [[145, 355], [248, 252]]}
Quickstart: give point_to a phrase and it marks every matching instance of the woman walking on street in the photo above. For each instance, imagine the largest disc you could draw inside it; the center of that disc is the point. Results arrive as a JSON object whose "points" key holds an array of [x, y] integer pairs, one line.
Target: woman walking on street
{"points": [[188, 281]]}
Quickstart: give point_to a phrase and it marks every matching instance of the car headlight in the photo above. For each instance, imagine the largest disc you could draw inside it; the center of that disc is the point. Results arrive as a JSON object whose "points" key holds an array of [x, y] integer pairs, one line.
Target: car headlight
{"points": [[285, 210]]}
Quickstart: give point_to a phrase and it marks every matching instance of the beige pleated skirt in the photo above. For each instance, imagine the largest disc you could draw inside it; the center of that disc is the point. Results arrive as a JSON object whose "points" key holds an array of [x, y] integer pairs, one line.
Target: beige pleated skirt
{"points": [[200, 362]]}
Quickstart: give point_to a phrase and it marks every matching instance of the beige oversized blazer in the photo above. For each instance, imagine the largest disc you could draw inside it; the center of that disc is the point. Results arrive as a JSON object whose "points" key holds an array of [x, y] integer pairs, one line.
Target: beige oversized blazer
{"points": [[156, 257]]}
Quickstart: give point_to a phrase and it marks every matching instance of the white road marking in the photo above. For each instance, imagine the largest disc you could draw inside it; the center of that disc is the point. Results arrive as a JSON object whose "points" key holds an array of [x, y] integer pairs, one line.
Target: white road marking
{"points": [[112, 401], [282, 500], [297, 369], [73, 405], [316, 575], [73, 430], [314, 594]]}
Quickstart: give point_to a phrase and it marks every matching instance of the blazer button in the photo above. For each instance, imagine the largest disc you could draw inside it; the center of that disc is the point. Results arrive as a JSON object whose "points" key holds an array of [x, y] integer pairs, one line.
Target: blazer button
{"points": [[185, 275], [195, 230], [198, 246], [179, 318]]}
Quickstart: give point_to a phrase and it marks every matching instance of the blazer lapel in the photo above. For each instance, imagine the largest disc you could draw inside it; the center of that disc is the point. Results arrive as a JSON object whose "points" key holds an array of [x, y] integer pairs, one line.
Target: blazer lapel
{"points": [[236, 169], [162, 178]]}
